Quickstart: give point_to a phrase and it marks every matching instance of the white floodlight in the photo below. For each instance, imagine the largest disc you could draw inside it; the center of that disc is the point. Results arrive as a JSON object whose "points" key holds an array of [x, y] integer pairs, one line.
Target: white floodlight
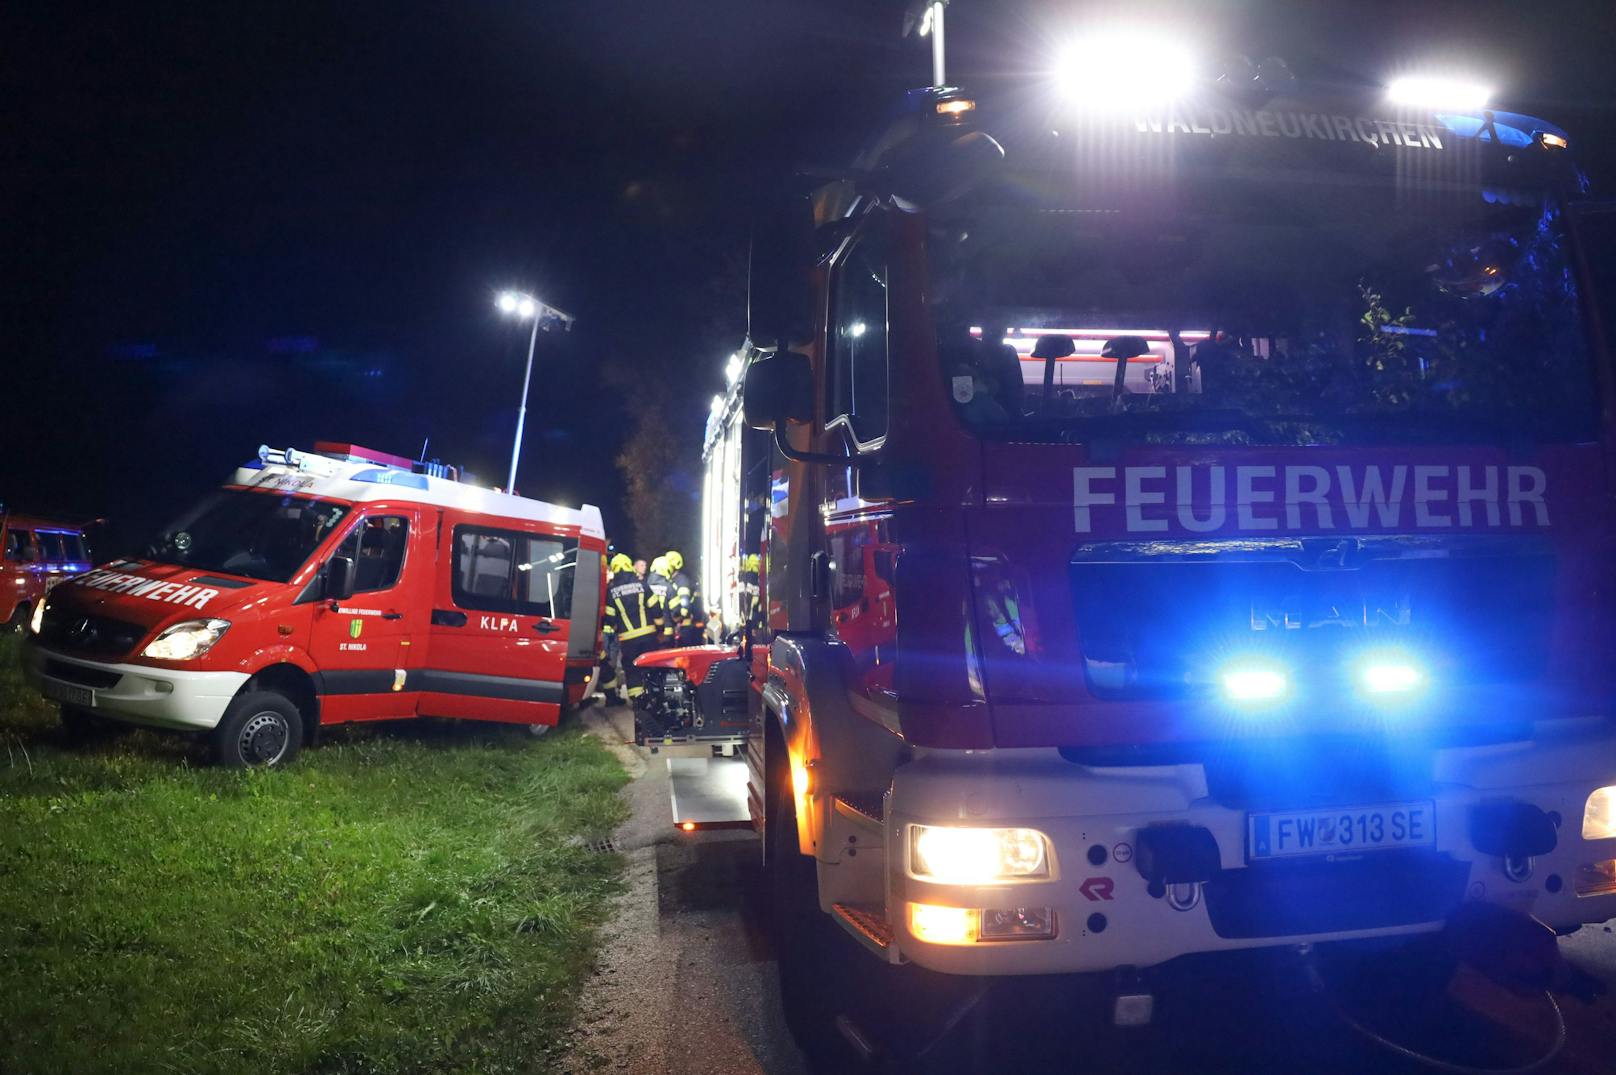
{"points": [[1433, 93], [1117, 70]]}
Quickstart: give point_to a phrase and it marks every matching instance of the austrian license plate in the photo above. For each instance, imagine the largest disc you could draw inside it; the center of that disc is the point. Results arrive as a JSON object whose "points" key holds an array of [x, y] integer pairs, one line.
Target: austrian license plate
{"points": [[1341, 829], [67, 693]]}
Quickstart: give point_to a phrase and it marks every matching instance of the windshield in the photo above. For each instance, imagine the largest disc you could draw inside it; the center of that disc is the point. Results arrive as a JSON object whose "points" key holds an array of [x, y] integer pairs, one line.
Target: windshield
{"points": [[260, 535], [1318, 312]]}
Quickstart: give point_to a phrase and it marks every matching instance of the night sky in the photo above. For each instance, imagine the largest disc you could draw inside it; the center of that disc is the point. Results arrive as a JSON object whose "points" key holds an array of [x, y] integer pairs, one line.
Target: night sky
{"points": [[227, 224]]}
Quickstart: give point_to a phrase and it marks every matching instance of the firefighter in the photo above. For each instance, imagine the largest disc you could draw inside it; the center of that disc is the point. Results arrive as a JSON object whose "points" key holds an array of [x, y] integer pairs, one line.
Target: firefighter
{"points": [[684, 603], [632, 619], [659, 586], [750, 568]]}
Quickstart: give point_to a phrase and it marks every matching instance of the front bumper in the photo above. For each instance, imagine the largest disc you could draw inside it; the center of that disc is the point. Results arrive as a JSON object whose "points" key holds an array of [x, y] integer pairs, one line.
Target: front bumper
{"points": [[137, 693], [1108, 916]]}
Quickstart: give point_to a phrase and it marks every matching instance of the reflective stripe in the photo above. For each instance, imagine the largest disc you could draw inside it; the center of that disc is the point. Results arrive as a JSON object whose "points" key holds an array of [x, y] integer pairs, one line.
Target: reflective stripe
{"points": [[638, 632], [635, 692]]}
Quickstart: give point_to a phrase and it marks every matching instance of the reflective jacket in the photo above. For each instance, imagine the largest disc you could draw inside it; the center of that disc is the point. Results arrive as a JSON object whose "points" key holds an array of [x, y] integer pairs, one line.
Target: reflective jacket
{"points": [[660, 589], [631, 609], [681, 599]]}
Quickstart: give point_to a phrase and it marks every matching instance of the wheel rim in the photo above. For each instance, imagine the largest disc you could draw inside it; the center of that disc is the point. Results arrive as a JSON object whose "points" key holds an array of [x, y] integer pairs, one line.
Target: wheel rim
{"points": [[264, 738]]}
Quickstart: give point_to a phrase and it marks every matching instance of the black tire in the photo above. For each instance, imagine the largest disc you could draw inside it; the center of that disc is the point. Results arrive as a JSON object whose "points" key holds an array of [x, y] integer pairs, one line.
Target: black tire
{"points": [[904, 1014], [812, 955], [259, 728]]}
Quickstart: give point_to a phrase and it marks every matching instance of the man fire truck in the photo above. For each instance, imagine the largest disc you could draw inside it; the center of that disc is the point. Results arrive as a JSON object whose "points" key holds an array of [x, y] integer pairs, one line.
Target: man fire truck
{"points": [[316, 588], [1186, 527]]}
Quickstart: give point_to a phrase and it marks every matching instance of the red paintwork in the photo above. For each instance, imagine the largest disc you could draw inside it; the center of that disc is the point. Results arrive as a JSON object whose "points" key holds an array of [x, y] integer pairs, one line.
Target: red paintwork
{"points": [[24, 582], [968, 521], [270, 624], [694, 661]]}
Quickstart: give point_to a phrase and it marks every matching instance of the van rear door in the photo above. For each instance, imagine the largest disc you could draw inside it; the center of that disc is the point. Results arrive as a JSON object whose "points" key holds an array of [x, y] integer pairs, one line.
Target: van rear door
{"points": [[583, 637], [501, 627]]}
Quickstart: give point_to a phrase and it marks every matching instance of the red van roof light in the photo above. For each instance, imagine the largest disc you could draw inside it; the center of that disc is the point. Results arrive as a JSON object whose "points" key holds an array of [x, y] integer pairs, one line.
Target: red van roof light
{"points": [[354, 453]]}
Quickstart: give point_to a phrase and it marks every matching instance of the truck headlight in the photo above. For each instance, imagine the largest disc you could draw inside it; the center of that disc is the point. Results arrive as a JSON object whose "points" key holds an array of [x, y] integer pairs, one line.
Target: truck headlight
{"points": [[37, 622], [977, 856], [186, 640], [1599, 814]]}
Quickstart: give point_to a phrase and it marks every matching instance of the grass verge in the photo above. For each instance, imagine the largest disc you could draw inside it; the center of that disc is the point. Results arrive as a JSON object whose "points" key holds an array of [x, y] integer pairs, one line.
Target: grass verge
{"points": [[408, 898]]}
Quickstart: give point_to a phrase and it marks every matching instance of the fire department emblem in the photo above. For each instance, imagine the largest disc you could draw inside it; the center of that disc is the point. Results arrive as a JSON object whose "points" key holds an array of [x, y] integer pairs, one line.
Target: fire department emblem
{"points": [[355, 628]]}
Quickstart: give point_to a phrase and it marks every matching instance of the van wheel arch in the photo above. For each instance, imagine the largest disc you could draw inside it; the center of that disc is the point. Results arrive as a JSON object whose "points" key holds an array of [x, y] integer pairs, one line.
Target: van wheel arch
{"points": [[297, 687]]}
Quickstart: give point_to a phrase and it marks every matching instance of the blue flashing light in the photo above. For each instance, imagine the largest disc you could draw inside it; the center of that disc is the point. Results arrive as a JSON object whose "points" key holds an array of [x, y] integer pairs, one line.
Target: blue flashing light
{"points": [[1390, 674], [381, 476], [1248, 682], [1504, 128]]}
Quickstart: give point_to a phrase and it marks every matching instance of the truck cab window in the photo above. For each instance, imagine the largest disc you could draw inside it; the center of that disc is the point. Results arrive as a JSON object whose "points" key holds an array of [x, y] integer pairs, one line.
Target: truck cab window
{"points": [[511, 571], [376, 547], [16, 542], [859, 341], [54, 551]]}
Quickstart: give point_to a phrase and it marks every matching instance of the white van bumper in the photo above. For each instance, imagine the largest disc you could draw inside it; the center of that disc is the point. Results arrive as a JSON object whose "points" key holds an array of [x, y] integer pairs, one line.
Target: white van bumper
{"points": [[137, 693], [1105, 914]]}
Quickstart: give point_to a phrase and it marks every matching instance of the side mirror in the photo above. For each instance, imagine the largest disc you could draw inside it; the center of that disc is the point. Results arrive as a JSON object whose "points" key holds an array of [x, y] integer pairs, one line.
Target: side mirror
{"points": [[777, 390], [339, 578], [779, 300]]}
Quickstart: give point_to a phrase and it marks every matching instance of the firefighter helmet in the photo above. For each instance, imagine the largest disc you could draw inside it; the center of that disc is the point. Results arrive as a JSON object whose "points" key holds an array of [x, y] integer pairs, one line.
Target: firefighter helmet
{"points": [[675, 560], [659, 566], [621, 563]]}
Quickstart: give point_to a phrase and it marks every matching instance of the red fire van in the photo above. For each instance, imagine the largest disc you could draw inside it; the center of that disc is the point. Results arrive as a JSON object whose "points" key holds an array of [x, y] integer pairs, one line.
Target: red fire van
{"points": [[322, 587], [35, 554]]}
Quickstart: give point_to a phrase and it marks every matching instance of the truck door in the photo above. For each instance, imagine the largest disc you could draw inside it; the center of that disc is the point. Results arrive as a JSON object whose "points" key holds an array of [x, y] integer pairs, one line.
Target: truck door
{"points": [[364, 646], [501, 624], [583, 633]]}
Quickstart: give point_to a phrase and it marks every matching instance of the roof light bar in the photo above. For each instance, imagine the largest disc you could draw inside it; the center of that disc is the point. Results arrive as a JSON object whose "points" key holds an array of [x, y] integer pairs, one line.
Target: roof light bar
{"points": [[1438, 93], [1120, 69]]}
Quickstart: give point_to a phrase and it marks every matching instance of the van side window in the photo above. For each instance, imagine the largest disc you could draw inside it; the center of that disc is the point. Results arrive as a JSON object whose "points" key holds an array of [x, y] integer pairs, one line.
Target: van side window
{"points": [[52, 549], [76, 550], [376, 547], [513, 571], [16, 542], [859, 340]]}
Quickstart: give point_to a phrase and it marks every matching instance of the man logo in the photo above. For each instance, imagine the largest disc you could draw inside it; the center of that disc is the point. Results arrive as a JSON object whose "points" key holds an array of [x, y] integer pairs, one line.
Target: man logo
{"points": [[355, 627]]}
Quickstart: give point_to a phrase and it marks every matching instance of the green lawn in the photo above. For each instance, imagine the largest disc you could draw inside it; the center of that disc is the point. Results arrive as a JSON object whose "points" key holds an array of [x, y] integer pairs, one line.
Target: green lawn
{"points": [[401, 899]]}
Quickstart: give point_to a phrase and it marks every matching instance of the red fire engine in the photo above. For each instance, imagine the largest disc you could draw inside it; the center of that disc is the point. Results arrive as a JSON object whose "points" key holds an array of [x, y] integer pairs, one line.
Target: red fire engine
{"points": [[1185, 526], [317, 588], [35, 554]]}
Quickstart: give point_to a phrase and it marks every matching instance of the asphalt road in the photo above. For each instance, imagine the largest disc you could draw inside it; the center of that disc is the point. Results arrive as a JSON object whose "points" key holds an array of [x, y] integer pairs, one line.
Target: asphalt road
{"points": [[686, 984]]}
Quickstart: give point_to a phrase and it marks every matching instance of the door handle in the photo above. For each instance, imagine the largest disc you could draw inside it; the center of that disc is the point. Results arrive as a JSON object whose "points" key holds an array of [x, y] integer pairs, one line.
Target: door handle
{"points": [[446, 617], [392, 615], [545, 627]]}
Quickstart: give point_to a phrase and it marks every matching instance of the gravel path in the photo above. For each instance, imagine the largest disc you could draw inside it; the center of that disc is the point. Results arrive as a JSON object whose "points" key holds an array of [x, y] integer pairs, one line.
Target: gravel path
{"points": [[685, 982]]}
